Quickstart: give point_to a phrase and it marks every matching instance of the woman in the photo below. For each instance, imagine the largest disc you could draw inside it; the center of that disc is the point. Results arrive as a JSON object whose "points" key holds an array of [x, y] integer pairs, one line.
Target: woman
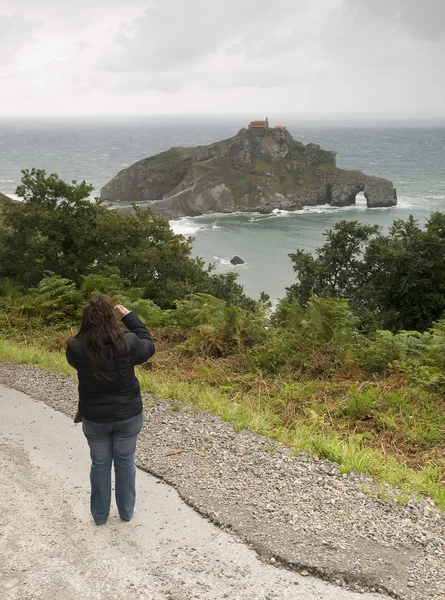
{"points": [[110, 399]]}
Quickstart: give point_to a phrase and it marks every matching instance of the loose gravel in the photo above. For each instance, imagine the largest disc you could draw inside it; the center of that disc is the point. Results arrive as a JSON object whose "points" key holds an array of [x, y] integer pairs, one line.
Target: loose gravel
{"points": [[295, 511]]}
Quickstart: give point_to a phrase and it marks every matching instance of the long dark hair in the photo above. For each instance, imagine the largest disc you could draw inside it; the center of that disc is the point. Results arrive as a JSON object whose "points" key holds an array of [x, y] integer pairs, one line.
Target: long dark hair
{"points": [[100, 325]]}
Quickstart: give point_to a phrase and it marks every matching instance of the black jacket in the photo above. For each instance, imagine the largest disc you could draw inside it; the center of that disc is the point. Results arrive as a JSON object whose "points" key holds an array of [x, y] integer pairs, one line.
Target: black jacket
{"points": [[119, 399]]}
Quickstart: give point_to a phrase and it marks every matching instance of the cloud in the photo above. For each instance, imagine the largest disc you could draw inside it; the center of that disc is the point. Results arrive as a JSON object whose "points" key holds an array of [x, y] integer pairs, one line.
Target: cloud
{"points": [[15, 33], [222, 55], [170, 34], [269, 43], [370, 40], [422, 19], [255, 42]]}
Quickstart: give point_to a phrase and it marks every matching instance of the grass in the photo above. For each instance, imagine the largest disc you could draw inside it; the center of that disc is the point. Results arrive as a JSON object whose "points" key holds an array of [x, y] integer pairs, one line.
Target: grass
{"points": [[55, 362], [393, 434], [163, 157]]}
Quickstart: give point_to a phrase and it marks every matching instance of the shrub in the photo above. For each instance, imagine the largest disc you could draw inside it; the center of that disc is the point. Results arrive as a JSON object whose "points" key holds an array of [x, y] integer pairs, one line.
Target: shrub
{"points": [[312, 339], [220, 330], [56, 297], [376, 354]]}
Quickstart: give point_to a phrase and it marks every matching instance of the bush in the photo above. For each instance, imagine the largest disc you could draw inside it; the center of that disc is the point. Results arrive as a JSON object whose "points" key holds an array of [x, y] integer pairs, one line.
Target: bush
{"points": [[312, 339], [219, 329], [376, 354], [148, 311], [56, 298], [112, 285]]}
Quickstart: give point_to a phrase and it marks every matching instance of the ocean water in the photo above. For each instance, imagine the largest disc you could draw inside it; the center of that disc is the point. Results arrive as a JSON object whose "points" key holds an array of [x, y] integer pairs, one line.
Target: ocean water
{"points": [[412, 155]]}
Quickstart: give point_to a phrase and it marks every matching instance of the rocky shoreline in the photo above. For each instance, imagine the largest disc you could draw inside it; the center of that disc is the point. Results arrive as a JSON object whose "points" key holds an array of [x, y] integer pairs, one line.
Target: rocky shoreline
{"points": [[295, 511]]}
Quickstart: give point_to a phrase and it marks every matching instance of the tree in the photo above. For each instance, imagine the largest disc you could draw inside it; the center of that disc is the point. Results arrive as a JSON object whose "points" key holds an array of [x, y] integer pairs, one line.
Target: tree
{"points": [[58, 228], [338, 270], [399, 277], [54, 229], [406, 286]]}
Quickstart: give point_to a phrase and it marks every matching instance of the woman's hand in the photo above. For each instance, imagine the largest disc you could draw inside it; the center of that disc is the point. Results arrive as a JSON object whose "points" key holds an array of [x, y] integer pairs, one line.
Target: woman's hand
{"points": [[121, 310]]}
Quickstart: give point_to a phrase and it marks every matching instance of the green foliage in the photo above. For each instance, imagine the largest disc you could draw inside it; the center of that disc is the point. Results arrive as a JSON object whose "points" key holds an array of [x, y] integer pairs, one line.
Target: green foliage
{"points": [[311, 339], [55, 229], [148, 311], [423, 358], [407, 274], [220, 329], [338, 269], [359, 404], [199, 309], [5, 199], [111, 285], [377, 353], [400, 278], [56, 297], [58, 228]]}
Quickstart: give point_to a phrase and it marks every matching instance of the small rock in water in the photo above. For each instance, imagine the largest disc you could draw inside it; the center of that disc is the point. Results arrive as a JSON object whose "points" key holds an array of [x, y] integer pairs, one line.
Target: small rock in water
{"points": [[236, 260]]}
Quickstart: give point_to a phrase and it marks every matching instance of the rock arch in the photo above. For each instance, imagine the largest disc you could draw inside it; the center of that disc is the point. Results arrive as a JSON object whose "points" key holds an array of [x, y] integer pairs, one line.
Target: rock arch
{"points": [[377, 191]]}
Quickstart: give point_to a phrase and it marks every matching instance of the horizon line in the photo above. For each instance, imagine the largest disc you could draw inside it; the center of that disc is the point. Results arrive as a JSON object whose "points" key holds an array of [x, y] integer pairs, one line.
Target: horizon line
{"points": [[305, 116]]}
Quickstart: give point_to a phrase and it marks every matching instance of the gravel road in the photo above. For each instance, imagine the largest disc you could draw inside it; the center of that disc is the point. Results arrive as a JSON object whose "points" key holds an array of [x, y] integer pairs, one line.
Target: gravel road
{"points": [[294, 511]]}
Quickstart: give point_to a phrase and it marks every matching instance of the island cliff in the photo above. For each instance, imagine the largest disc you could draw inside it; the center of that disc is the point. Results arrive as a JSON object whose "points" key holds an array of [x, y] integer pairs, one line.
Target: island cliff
{"points": [[256, 170]]}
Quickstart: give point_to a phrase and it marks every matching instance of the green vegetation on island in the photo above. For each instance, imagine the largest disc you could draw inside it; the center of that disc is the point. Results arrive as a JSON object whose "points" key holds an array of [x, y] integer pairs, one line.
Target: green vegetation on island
{"points": [[350, 365]]}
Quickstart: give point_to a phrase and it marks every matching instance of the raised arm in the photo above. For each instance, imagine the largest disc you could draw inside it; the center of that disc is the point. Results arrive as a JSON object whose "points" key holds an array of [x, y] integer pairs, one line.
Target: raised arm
{"points": [[144, 346]]}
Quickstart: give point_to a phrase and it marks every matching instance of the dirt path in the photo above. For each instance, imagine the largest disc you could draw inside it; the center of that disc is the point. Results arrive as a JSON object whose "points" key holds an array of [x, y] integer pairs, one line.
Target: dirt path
{"points": [[50, 548], [191, 187]]}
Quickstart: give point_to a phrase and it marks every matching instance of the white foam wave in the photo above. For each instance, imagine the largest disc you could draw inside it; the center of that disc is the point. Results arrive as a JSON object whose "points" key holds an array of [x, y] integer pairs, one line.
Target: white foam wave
{"points": [[261, 217], [225, 262], [222, 261], [405, 201], [280, 212], [321, 208], [186, 226]]}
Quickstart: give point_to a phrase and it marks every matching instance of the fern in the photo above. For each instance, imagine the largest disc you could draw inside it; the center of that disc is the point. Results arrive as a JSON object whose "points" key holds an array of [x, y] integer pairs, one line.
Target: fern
{"points": [[56, 297]]}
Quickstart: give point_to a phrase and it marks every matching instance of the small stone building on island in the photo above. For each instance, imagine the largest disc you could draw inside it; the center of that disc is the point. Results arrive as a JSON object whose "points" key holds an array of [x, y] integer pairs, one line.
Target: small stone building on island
{"points": [[263, 125], [259, 124]]}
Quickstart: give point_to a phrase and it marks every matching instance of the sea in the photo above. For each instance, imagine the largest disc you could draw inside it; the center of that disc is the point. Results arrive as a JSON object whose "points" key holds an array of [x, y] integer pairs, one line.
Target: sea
{"points": [[409, 153]]}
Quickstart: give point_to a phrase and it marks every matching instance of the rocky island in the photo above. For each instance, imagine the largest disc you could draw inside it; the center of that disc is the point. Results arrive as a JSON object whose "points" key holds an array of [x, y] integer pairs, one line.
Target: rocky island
{"points": [[260, 169]]}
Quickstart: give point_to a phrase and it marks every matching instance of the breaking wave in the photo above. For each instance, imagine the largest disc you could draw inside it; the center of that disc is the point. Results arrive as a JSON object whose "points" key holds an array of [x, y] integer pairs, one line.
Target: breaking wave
{"points": [[225, 262], [186, 226]]}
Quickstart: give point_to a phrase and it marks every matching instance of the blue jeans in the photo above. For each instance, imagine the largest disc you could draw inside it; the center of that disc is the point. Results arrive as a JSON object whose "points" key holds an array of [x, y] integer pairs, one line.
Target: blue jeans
{"points": [[110, 441]]}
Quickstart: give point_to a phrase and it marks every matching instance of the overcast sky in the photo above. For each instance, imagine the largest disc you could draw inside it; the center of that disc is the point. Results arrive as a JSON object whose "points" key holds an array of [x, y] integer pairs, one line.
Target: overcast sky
{"points": [[344, 57]]}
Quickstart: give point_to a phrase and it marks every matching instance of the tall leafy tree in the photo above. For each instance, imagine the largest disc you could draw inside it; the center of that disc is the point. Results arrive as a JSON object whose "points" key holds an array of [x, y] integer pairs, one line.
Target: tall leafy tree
{"points": [[399, 277], [406, 288], [338, 270], [54, 228]]}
